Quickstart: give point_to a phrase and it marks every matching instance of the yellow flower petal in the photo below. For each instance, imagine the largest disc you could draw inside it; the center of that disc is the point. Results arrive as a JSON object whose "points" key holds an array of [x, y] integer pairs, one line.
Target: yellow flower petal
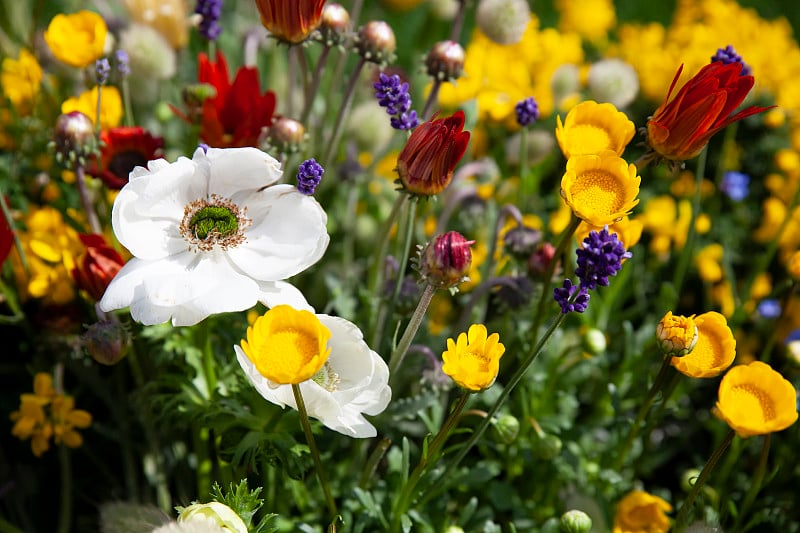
{"points": [[592, 128], [715, 349], [77, 39]]}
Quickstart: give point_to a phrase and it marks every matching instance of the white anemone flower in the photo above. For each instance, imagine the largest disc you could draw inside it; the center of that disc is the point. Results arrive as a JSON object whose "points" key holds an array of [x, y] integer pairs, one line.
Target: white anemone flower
{"points": [[210, 235], [354, 381]]}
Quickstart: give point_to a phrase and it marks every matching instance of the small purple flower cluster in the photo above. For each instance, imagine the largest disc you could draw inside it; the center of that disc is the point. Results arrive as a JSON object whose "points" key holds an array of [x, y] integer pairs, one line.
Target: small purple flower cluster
{"points": [[393, 95], [123, 63], [309, 174], [736, 185], [600, 258], [527, 111], [210, 11], [729, 55], [102, 69]]}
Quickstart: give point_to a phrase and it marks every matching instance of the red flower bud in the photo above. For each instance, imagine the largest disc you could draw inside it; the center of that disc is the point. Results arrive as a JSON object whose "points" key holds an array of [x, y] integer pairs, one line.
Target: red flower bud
{"points": [[98, 266], [680, 128], [445, 261], [107, 342], [426, 164]]}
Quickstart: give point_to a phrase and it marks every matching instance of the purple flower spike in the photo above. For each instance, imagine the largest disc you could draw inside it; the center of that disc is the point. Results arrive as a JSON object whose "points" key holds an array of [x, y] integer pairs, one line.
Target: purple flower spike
{"points": [[571, 298], [600, 257], [309, 174], [527, 111], [393, 95], [210, 11], [729, 55]]}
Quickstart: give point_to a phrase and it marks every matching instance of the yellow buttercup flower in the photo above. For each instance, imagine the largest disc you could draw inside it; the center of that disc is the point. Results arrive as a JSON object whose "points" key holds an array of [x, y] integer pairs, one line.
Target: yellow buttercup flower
{"points": [[20, 79], [86, 103], [593, 28], [473, 360], [66, 419], [642, 512], [287, 346], [591, 128], [677, 335], [600, 189], [714, 351], [77, 39], [793, 265], [709, 262], [754, 399]]}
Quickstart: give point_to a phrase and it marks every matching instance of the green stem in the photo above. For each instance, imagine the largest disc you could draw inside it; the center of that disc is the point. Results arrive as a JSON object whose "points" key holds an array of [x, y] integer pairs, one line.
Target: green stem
{"points": [[86, 202], [312, 446], [515, 379], [688, 247], [314, 85], [411, 330], [683, 512], [426, 111], [126, 99], [755, 483], [621, 452], [429, 456], [330, 150], [65, 510]]}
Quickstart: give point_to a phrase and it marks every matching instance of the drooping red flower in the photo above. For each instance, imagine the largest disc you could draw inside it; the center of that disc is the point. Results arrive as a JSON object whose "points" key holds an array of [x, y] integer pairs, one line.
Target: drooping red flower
{"points": [[291, 21], [236, 115], [122, 149], [97, 267], [425, 165], [680, 128]]}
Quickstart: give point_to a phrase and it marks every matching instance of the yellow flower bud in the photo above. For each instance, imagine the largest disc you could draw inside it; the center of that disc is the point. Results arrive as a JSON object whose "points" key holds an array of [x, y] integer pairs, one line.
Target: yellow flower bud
{"points": [[677, 335]]}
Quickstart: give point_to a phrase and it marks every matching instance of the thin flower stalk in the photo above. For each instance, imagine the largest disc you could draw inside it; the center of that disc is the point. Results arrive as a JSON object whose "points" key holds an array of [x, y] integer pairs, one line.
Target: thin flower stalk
{"points": [[313, 86], [756, 482], [86, 202], [65, 506], [427, 111], [683, 512], [344, 108], [312, 445], [429, 457], [411, 330]]}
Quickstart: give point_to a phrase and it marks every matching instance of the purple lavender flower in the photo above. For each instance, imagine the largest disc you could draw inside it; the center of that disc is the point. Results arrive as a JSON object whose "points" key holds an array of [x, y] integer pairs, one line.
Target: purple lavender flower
{"points": [[210, 11], [527, 111], [309, 174], [102, 68], [735, 185], [729, 55], [123, 63], [600, 257], [393, 95], [571, 297]]}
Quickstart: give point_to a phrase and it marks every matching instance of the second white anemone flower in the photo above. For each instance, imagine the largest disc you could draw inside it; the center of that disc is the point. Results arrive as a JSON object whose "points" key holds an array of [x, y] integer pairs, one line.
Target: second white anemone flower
{"points": [[211, 234], [352, 382]]}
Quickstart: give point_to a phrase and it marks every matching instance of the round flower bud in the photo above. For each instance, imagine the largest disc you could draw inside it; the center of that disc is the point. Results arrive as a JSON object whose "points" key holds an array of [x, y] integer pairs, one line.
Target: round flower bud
{"points": [[548, 446], [505, 429], [594, 341], [575, 521], [73, 136], [613, 80], [286, 135], [676, 335], [216, 513], [335, 24], [539, 261], [445, 60], [521, 241], [107, 342], [376, 42], [503, 21], [445, 261]]}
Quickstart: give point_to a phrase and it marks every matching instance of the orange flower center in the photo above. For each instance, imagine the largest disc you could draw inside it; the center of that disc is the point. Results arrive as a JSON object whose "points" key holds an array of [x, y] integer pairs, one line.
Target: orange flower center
{"points": [[597, 191], [750, 399], [587, 139]]}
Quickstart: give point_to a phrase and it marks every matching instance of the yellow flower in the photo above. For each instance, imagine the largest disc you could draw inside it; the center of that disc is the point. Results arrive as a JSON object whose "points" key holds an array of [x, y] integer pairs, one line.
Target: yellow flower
{"points": [[793, 266], [600, 189], [591, 128], [78, 39], [627, 231], [642, 512], [169, 17], [20, 80], [287, 346], [709, 262], [677, 335], [592, 28], [714, 351], [30, 422], [473, 360], [66, 418], [86, 103], [754, 399]]}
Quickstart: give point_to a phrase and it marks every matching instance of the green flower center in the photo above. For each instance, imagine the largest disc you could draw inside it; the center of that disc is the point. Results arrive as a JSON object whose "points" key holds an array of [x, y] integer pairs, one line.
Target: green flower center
{"points": [[327, 378], [213, 222]]}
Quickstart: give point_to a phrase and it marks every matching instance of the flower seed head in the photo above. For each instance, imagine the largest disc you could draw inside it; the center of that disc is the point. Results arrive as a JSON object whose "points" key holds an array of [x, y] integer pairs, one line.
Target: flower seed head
{"points": [[74, 135], [286, 135], [445, 261], [445, 60], [503, 21], [376, 42], [335, 24]]}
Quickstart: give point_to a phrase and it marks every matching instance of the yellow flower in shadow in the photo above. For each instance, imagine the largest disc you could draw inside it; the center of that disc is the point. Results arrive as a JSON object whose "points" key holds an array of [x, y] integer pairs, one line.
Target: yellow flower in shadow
{"points": [[754, 399], [473, 360], [287, 346], [86, 103], [628, 231], [591, 128], [600, 189], [20, 79], [714, 351], [77, 39], [640, 512], [66, 419]]}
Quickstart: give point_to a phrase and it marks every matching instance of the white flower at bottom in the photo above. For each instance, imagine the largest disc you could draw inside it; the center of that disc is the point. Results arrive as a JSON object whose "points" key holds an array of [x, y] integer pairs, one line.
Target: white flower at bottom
{"points": [[214, 514], [353, 382], [210, 235]]}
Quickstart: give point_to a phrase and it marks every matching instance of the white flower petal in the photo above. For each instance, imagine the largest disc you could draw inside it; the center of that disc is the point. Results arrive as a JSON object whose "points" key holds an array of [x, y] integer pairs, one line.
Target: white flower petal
{"points": [[282, 293], [288, 234], [237, 169]]}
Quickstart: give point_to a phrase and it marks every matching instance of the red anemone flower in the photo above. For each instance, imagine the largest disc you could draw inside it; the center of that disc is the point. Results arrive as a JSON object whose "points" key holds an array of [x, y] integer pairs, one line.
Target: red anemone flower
{"points": [[426, 163], [681, 128], [236, 115], [121, 150], [291, 21], [98, 266]]}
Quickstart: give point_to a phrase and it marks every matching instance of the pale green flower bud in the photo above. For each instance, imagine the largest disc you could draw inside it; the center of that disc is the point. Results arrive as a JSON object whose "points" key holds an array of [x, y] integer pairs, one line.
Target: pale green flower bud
{"points": [[575, 521], [505, 429], [594, 341], [215, 512], [548, 446]]}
